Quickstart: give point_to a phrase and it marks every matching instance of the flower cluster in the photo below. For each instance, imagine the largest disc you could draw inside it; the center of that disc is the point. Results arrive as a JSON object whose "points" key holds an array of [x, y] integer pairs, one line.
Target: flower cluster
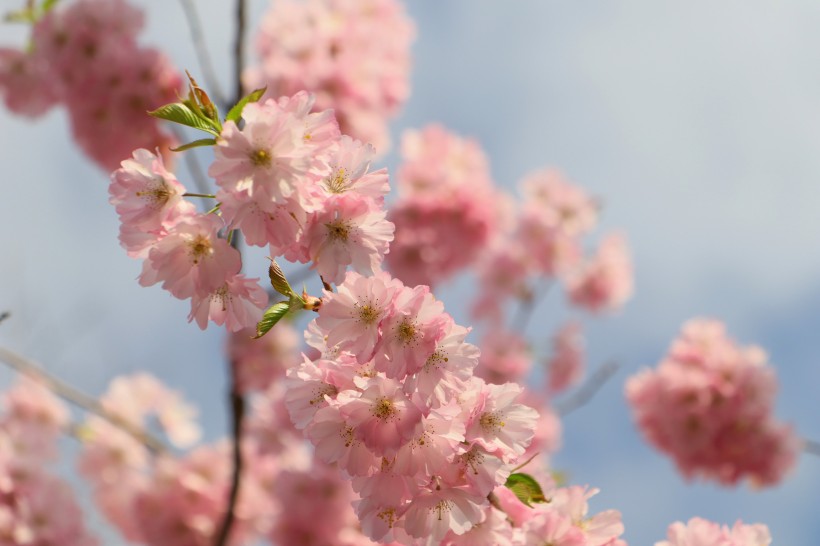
{"points": [[564, 521], [328, 47], [36, 508], [86, 56], [447, 210], [289, 180], [700, 532], [566, 365], [182, 249], [543, 239], [709, 405], [392, 403]]}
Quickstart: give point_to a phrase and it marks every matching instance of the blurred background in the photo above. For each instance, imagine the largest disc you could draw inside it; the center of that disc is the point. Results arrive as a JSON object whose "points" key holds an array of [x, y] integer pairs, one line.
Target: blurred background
{"points": [[696, 123]]}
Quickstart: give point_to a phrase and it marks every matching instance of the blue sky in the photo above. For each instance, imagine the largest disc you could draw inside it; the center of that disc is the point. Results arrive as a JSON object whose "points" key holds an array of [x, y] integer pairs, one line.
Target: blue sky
{"points": [[695, 122]]}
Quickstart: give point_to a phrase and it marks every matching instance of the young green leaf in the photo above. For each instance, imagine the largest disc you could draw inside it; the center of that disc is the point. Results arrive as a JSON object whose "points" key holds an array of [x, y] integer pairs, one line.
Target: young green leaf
{"points": [[46, 6], [235, 113], [195, 144], [525, 488], [179, 113], [274, 314], [278, 279]]}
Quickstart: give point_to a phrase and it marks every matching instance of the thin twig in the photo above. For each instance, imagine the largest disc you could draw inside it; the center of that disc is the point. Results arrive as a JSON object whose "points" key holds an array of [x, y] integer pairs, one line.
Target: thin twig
{"points": [[237, 402], [4, 315], [812, 447], [588, 390], [203, 57], [527, 308], [239, 50], [78, 398], [194, 168]]}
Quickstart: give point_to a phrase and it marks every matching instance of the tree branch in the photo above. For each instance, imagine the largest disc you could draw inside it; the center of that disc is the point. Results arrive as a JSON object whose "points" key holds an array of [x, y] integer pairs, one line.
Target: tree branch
{"points": [[239, 49], [79, 398], [237, 403], [811, 447], [201, 49], [588, 390]]}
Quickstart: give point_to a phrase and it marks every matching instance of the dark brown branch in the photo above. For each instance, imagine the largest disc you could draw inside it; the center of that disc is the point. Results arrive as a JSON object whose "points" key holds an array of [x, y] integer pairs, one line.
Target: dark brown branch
{"points": [[527, 307], [588, 390], [201, 49], [78, 398], [239, 50], [237, 403]]}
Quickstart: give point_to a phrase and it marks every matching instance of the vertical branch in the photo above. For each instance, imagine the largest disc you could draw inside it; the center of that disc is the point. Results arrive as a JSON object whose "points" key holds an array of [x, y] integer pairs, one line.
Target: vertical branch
{"points": [[237, 404], [239, 49]]}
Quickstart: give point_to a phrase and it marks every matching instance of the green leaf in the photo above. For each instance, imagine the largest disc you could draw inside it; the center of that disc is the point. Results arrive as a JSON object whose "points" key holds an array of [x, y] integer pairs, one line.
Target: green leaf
{"points": [[278, 279], [274, 314], [46, 6], [179, 113], [525, 488], [236, 112], [195, 144]]}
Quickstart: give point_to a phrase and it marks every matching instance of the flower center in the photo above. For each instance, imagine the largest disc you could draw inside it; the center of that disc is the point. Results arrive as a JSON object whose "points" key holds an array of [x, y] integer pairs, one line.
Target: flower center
{"points": [[260, 158], [338, 181], [338, 230], [156, 192], [407, 332], [367, 313], [199, 248], [384, 409], [491, 421]]}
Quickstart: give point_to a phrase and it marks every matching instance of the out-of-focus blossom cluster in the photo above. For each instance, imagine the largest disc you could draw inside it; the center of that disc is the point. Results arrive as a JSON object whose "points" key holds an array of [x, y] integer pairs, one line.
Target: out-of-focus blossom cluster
{"points": [[700, 532], [448, 209], [36, 508], [709, 405], [84, 54], [543, 239], [354, 55]]}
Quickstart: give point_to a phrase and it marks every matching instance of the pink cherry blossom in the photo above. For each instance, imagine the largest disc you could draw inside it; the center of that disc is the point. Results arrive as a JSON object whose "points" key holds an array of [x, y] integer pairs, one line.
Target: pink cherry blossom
{"points": [[26, 86], [349, 231], [700, 532], [326, 47], [709, 406], [146, 195], [237, 304], [505, 357], [605, 282], [382, 416], [191, 258], [411, 333], [497, 423], [350, 318], [566, 365]]}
